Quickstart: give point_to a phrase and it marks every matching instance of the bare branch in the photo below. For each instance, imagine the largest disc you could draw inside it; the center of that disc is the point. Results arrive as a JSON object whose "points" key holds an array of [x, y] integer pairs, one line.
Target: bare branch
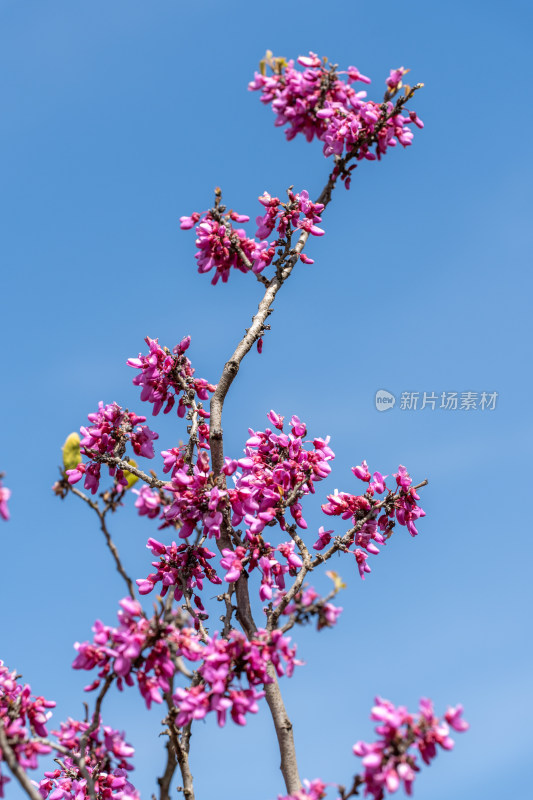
{"points": [[178, 748], [283, 727]]}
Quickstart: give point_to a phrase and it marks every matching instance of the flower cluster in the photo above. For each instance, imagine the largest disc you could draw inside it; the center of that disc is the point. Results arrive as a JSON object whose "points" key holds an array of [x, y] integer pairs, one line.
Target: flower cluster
{"points": [[197, 501], [311, 790], [299, 213], [147, 650], [167, 377], [373, 520], [68, 783], [106, 760], [261, 554], [5, 494], [183, 567], [221, 246], [316, 102], [226, 663], [112, 428], [190, 501], [139, 648], [22, 717], [275, 473], [392, 760]]}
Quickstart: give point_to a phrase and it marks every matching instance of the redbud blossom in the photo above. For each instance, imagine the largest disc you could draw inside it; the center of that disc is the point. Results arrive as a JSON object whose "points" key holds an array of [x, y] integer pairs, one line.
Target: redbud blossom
{"points": [[22, 716], [311, 790], [400, 507], [165, 378], [221, 247], [5, 494], [391, 760], [317, 102], [112, 428]]}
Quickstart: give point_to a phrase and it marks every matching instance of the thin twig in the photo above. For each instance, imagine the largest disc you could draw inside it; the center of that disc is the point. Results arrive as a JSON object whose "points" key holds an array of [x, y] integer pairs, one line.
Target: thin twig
{"points": [[95, 722], [194, 614], [110, 543], [126, 466]]}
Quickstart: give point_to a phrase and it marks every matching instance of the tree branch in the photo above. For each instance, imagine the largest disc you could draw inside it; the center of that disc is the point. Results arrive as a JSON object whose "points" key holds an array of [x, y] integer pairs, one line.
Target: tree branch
{"points": [[115, 461], [8, 755], [180, 746], [284, 268], [82, 760], [342, 541]]}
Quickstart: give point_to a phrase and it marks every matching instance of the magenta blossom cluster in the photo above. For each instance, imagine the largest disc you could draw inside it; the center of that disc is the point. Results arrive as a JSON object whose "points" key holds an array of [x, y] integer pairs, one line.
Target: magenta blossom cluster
{"points": [[112, 428], [261, 554], [299, 213], [183, 567], [392, 760], [106, 761], [316, 102], [146, 650], [307, 604], [22, 717], [197, 500], [311, 790], [375, 519], [166, 377], [221, 246], [227, 662], [137, 648], [192, 502], [5, 494], [277, 469], [68, 783]]}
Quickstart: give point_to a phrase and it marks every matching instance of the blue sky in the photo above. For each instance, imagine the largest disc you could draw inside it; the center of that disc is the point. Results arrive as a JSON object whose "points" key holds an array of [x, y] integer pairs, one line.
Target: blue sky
{"points": [[117, 118]]}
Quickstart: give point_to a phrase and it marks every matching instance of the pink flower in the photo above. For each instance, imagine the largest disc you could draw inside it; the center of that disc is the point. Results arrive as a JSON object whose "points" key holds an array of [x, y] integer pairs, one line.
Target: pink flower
{"points": [[316, 102], [391, 760], [361, 558], [362, 472], [453, 718], [324, 538], [111, 430], [5, 494], [395, 77], [232, 562], [148, 502], [167, 377]]}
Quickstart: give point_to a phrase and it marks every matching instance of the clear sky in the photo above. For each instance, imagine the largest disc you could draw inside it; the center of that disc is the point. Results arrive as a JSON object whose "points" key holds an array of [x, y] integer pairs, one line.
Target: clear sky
{"points": [[117, 118]]}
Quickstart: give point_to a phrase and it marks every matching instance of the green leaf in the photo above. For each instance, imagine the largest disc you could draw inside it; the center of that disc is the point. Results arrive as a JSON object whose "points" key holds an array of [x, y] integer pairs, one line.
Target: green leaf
{"points": [[130, 477], [71, 451]]}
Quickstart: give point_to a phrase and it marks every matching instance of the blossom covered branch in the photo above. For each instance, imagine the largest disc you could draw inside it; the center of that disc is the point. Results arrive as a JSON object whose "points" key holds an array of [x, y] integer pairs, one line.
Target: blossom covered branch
{"points": [[238, 523]]}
